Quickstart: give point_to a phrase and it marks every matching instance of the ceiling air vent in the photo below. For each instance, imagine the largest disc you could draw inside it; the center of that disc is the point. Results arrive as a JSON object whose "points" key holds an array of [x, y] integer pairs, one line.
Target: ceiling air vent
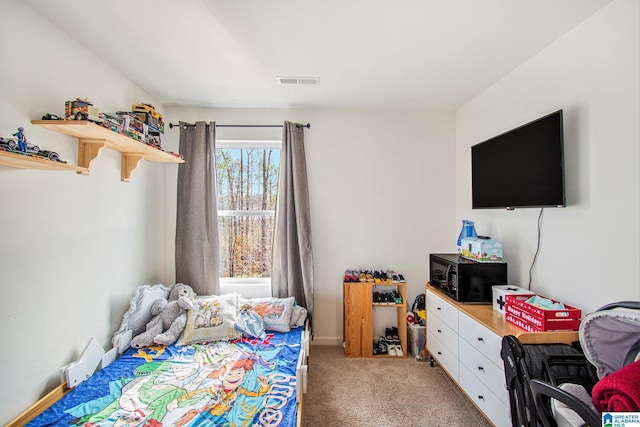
{"points": [[298, 80]]}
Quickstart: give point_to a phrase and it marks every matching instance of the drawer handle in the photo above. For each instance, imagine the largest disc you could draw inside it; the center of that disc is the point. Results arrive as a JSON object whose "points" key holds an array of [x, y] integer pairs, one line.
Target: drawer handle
{"points": [[481, 397], [480, 339], [480, 368], [439, 353], [438, 308], [439, 331]]}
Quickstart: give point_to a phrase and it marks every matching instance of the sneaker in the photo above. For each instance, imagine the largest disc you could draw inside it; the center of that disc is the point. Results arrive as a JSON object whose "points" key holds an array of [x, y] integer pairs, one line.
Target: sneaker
{"points": [[362, 276], [389, 336], [375, 348], [398, 350], [391, 349], [393, 276], [369, 275], [377, 298], [397, 297], [383, 348]]}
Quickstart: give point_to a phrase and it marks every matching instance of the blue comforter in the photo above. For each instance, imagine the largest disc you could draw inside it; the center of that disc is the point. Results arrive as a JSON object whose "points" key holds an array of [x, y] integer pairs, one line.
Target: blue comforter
{"points": [[231, 384]]}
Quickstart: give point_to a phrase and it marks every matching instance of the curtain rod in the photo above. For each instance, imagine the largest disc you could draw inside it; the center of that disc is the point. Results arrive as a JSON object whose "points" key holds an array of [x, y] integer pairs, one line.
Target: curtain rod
{"points": [[308, 126]]}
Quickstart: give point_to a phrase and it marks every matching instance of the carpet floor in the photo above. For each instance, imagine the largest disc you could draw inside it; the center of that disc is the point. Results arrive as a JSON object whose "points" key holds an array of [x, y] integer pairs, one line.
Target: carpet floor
{"points": [[382, 392]]}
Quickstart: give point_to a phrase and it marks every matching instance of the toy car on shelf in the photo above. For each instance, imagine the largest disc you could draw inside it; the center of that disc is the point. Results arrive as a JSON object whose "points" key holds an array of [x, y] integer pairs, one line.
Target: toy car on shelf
{"points": [[11, 145], [147, 114], [49, 116], [81, 109], [147, 108], [51, 155], [32, 149], [8, 144]]}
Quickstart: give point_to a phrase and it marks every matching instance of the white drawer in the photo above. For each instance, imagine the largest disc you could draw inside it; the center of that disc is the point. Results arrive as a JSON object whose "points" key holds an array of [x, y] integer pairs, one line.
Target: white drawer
{"points": [[481, 338], [489, 374], [442, 309], [485, 400], [445, 358], [444, 333]]}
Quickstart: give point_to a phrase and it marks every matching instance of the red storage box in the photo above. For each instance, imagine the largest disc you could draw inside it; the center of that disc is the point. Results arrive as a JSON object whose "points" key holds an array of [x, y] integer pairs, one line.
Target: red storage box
{"points": [[532, 318]]}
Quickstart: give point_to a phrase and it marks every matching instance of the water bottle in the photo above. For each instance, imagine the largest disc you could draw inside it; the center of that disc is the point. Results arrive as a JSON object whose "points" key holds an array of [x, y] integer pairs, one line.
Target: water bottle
{"points": [[468, 230]]}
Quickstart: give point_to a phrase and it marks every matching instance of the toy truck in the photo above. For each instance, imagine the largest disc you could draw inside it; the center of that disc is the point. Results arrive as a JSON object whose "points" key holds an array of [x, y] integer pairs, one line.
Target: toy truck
{"points": [[148, 114], [81, 109]]}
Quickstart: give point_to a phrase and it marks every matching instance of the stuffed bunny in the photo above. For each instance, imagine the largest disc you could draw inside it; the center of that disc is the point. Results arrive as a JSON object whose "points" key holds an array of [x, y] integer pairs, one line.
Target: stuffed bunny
{"points": [[170, 318]]}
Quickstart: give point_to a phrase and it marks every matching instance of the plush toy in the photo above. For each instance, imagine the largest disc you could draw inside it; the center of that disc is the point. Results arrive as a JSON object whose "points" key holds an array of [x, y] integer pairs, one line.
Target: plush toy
{"points": [[170, 318]]}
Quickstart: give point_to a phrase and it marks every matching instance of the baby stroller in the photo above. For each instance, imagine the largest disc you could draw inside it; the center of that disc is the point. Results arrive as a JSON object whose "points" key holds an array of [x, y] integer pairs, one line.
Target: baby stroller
{"points": [[551, 385]]}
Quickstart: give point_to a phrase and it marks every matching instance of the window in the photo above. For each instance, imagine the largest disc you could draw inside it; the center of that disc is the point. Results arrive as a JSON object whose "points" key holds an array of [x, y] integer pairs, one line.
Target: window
{"points": [[247, 188]]}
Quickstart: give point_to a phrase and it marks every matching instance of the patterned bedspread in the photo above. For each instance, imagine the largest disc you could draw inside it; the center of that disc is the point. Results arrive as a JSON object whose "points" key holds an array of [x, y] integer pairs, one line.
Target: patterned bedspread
{"points": [[231, 384]]}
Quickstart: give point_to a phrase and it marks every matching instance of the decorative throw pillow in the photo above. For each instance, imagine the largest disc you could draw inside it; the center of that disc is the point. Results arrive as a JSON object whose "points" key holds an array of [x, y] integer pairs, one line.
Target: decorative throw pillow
{"points": [[249, 323], [212, 318], [298, 316], [139, 313], [276, 312]]}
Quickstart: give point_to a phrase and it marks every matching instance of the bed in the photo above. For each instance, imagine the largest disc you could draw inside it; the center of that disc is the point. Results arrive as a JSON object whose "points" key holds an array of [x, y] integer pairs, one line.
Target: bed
{"points": [[243, 381]]}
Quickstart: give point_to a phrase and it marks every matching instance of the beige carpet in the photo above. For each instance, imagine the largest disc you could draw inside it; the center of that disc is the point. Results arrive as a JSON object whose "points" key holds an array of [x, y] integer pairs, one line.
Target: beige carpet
{"points": [[382, 392]]}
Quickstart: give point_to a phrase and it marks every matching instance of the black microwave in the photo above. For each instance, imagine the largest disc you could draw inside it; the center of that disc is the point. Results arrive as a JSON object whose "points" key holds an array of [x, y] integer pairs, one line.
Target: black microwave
{"points": [[465, 280]]}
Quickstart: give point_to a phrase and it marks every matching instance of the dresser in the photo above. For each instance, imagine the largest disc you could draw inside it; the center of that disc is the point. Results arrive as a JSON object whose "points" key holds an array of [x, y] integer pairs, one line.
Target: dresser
{"points": [[466, 339]]}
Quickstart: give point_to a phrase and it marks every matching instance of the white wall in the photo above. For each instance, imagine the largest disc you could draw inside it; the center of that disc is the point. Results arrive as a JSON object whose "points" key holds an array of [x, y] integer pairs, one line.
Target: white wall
{"points": [[381, 186], [387, 188], [590, 249], [72, 247]]}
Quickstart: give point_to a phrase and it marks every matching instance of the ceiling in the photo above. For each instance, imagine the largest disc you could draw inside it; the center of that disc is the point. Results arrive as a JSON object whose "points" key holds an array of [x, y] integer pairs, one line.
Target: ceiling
{"points": [[367, 53]]}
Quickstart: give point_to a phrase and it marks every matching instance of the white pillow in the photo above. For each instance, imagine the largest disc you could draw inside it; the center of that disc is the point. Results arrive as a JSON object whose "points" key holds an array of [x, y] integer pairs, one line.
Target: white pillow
{"points": [[276, 312], [139, 313], [212, 318]]}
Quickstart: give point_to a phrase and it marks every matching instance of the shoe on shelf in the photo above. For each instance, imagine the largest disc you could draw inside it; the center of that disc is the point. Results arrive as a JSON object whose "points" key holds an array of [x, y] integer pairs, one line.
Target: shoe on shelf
{"points": [[369, 276], [401, 278], [347, 276], [375, 348], [388, 335], [393, 276], [377, 297], [383, 348], [383, 298], [391, 335], [391, 349], [376, 277], [362, 276], [397, 297], [398, 350], [384, 278]]}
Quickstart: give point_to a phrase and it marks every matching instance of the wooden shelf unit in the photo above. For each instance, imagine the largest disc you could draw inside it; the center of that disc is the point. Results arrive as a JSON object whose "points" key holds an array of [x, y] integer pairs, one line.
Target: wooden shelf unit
{"points": [[92, 139], [358, 317], [22, 161]]}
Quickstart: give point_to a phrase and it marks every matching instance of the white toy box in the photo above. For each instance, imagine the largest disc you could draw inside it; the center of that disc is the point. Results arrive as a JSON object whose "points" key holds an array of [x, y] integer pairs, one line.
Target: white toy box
{"points": [[501, 291]]}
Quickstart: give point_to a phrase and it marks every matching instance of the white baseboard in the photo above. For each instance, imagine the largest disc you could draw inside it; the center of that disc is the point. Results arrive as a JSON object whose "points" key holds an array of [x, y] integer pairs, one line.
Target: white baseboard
{"points": [[326, 341]]}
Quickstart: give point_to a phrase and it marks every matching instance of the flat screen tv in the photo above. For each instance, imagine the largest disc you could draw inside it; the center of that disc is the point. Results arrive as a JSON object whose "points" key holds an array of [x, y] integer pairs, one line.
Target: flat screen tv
{"points": [[521, 168]]}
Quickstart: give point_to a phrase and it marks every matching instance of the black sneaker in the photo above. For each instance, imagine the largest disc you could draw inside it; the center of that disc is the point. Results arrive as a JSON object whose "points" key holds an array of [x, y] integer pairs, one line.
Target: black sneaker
{"points": [[382, 346], [397, 297]]}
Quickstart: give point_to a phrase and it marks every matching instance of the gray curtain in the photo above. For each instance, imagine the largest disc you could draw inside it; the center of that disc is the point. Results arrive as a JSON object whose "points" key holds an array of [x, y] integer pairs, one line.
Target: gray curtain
{"points": [[197, 242], [292, 270]]}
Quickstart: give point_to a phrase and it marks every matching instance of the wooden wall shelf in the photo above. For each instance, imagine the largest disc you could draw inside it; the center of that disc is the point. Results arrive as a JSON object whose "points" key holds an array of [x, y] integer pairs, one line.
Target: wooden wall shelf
{"points": [[15, 160], [92, 139]]}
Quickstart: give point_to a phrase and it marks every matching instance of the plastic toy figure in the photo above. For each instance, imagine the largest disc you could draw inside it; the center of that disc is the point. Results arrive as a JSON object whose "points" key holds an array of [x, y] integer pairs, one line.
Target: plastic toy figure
{"points": [[22, 140]]}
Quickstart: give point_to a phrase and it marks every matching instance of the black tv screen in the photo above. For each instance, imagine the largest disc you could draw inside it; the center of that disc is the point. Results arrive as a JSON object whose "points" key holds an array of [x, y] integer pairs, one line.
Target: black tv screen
{"points": [[521, 168]]}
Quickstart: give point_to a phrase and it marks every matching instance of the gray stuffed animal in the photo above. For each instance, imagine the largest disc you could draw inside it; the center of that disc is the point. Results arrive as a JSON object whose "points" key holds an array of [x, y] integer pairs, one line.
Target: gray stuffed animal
{"points": [[170, 318]]}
